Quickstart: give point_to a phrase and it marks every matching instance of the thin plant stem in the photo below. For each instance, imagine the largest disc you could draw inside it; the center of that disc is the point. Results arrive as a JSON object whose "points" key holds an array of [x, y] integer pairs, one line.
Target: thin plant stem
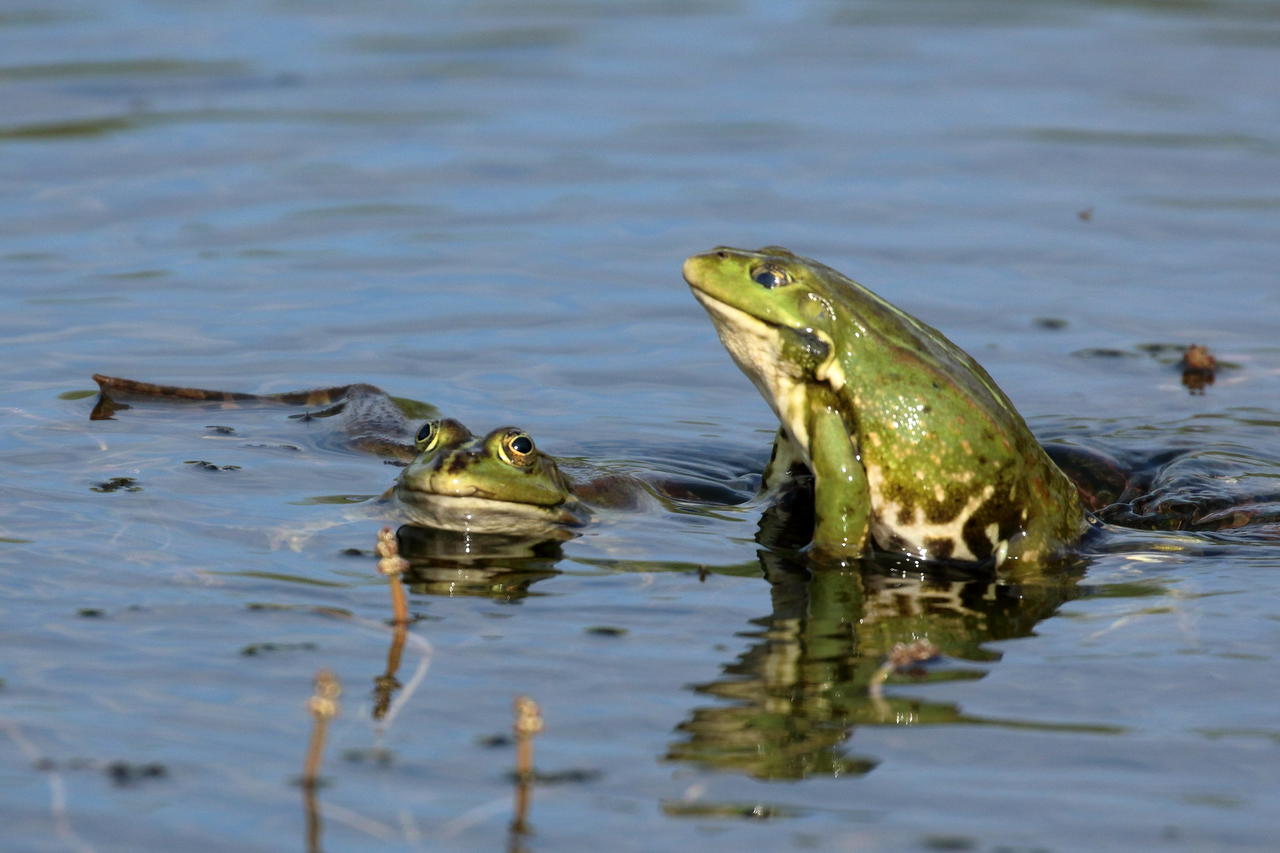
{"points": [[527, 724], [391, 564]]}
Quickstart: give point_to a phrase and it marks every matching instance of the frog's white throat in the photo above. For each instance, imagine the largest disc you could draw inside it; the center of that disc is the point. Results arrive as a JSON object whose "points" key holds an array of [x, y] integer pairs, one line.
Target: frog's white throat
{"points": [[756, 347]]}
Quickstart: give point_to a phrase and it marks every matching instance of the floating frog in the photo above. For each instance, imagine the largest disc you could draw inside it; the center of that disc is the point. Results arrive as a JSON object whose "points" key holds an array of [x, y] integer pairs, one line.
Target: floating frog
{"points": [[369, 419], [911, 444], [454, 480], [496, 483]]}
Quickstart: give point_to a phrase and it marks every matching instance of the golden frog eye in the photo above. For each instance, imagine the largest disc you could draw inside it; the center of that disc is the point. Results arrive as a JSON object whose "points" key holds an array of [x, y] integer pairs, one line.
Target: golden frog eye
{"points": [[517, 448], [428, 436], [769, 277]]}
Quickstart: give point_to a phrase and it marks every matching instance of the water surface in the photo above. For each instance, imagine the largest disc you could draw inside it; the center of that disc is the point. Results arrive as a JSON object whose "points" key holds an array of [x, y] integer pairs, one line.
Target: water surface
{"points": [[484, 205]]}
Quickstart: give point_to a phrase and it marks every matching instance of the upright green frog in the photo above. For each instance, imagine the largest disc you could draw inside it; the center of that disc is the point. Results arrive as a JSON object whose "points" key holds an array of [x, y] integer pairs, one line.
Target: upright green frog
{"points": [[496, 483], [911, 444]]}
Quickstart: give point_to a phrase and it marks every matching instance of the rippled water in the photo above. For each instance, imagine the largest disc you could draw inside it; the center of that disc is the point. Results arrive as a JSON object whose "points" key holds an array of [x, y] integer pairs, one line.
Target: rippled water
{"points": [[484, 205]]}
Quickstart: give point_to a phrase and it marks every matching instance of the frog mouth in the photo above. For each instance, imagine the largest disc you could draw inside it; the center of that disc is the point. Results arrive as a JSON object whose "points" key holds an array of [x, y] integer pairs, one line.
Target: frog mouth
{"points": [[479, 513]]}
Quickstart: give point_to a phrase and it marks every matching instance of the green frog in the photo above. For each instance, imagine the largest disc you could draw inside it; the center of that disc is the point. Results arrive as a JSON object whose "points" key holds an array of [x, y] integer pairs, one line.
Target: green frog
{"points": [[454, 480], [497, 483], [368, 418], [911, 445]]}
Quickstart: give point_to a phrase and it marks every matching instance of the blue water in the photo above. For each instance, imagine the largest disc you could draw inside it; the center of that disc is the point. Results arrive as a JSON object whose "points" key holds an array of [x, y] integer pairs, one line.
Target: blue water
{"points": [[485, 205]]}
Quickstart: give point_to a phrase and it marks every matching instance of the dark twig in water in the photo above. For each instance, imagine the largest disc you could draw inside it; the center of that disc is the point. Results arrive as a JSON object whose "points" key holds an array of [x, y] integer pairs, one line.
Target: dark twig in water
{"points": [[528, 723]]}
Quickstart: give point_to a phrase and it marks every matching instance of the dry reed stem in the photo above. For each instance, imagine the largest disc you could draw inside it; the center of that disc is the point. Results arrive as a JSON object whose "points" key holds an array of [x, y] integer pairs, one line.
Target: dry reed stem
{"points": [[528, 723], [392, 565], [323, 706]]}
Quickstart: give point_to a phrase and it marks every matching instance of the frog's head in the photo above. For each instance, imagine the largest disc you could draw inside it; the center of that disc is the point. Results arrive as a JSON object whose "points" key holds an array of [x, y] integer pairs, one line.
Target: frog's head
{"points": [[498, 483], [774, 312]]}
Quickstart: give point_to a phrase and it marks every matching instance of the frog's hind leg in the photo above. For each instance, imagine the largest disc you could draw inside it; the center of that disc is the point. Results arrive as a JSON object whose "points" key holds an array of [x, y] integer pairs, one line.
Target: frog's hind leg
{"points": [[787, 463], [124, 389]]}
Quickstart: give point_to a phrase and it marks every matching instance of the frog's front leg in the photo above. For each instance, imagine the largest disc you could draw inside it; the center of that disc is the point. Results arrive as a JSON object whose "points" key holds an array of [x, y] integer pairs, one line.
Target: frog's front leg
{"points": [[786, 462], [841, 495]]}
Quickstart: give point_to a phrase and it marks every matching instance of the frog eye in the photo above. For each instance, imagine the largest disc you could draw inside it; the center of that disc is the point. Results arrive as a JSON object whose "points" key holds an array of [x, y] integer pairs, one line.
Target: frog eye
{"points": [[769, 277], [428, 436], [517, 448]]}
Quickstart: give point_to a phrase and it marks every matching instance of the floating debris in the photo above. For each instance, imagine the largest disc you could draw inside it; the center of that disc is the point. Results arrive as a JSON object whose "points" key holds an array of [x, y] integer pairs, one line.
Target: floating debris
{"points": [[117, 484], [903, 656], [266, 648], [605, 631], [125, 773], [749, 810], [209, 466], [1198, 368]]}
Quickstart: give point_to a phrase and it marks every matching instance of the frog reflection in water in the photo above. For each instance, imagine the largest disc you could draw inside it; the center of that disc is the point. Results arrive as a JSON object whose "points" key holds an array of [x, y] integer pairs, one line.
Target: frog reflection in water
{"points": [[806, 674], [498, 483], [787, 705], [911, 444]]}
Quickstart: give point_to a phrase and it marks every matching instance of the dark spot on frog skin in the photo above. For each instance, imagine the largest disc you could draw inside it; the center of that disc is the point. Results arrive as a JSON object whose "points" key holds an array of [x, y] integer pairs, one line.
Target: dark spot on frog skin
{"points": [[814, 345], [1000, 511], [945, 510], [457, 463], [904, 499], [940, 548], [935, 511], [975, 538]]}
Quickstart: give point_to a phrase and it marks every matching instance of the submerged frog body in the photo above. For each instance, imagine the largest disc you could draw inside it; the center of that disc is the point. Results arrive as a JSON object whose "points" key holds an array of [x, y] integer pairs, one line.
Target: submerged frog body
{"points": [[369, 418], [497, 483], [911, 444], [454, 480]]}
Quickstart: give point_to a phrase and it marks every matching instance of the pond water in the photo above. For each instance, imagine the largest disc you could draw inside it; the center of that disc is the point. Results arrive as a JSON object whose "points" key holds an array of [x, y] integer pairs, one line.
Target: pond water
{"points": [[485, 205]]}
